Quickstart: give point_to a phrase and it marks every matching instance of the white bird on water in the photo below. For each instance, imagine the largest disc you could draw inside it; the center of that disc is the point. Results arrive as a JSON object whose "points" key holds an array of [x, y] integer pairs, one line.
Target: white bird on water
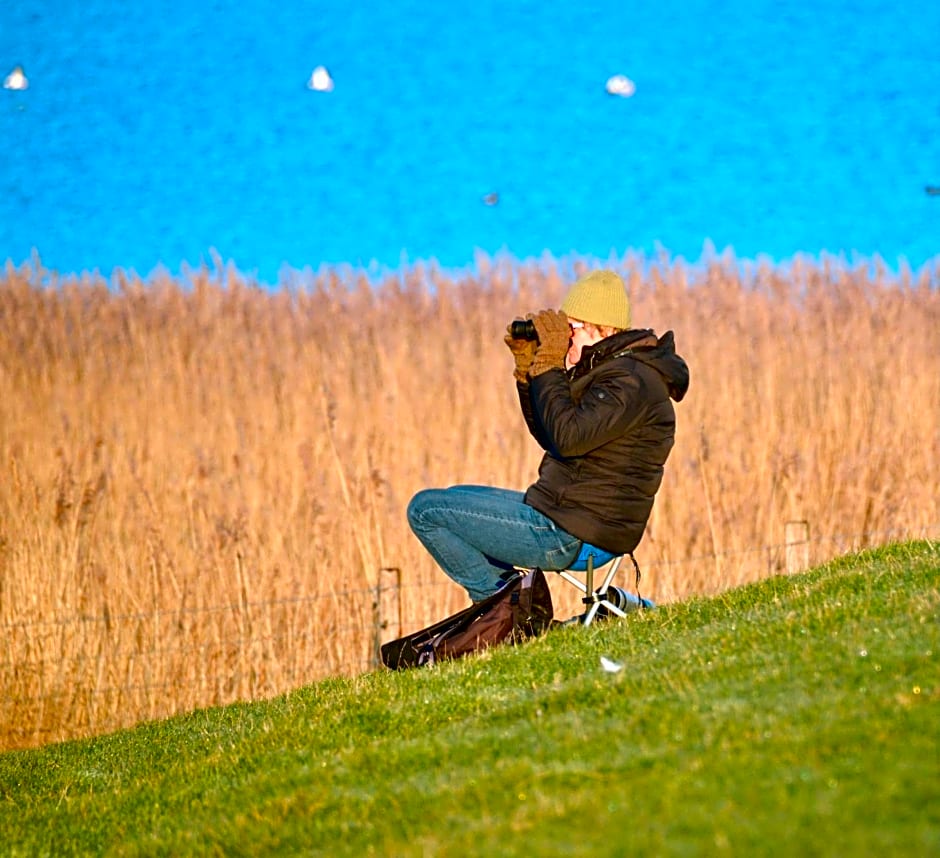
{"points": [[16, 79], [620, 84], [320, 80]]}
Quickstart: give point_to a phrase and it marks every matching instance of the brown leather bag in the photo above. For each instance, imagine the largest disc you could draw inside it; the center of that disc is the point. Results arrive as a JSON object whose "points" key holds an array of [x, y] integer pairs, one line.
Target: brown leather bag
{"points": [[521, 609]]}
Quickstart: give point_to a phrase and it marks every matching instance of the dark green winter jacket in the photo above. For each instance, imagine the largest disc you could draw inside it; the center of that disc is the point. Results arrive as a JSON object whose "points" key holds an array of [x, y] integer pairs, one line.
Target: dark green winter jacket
{"points": [[607, 426]]}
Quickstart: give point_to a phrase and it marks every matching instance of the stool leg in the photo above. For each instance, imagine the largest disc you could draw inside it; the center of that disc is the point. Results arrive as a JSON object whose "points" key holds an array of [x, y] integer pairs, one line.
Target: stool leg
{"points": [[590, 597], [597, 598]]}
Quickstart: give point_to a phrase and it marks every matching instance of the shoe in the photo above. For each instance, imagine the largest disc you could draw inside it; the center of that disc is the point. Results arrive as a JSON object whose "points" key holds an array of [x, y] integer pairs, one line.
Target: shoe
{"points": [[623, 599]]}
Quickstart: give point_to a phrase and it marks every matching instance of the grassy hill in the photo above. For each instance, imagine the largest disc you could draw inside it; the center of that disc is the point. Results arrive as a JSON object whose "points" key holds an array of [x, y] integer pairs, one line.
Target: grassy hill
{"points": [[797, 716]]}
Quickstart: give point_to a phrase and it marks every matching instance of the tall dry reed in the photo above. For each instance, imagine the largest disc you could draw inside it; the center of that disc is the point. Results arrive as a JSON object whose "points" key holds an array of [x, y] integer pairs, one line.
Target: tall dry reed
{"points": [[202, 480]]}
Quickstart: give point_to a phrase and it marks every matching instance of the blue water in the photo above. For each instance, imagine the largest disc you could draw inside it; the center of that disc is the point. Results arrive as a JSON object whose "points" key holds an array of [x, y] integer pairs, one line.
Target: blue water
{"points": [[166, 134]]}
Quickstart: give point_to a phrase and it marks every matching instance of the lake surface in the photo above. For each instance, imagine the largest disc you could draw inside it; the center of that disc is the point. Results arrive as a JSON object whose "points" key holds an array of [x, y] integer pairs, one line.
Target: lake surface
{"points": [[167, 134]]}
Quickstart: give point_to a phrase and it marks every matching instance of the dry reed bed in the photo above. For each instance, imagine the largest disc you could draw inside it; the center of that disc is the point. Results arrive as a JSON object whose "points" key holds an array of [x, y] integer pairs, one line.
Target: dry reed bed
{"points": [[201, 482]]}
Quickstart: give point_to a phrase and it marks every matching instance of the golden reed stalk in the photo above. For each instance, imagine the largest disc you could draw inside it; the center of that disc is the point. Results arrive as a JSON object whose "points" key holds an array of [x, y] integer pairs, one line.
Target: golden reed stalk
{"points": [[202, 480]]}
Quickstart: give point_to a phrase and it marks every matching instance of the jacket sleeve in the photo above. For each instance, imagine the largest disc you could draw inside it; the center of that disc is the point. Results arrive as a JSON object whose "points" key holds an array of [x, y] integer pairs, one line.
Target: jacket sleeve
{"points": [[528, 412], [608, 407]]}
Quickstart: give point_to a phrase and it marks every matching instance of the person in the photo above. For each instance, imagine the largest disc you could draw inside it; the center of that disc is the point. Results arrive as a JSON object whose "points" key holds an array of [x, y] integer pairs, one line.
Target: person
{"points": [[597, 396]]}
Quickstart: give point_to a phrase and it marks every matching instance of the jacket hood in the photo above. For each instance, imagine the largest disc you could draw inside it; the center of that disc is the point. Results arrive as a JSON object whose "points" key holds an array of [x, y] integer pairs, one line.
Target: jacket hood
{"points": [[658, 353]]}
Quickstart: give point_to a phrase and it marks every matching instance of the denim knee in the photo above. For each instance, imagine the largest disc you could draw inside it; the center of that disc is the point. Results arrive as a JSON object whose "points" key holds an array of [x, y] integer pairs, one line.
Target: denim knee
{"points": [[417, 505]]}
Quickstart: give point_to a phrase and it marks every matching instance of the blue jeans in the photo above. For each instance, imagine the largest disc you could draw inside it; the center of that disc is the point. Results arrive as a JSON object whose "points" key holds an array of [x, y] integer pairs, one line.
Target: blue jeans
{"points": [[476, 533]]}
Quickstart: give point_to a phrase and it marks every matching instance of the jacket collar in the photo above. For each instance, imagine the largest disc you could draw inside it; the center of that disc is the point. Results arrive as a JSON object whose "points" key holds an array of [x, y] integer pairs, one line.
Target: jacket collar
{"points": [[613, 346], [644, 346]]}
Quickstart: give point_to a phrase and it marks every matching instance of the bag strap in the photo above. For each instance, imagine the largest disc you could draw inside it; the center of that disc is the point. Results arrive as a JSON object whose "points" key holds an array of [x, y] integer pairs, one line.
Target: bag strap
{"points": [[636, 566]]}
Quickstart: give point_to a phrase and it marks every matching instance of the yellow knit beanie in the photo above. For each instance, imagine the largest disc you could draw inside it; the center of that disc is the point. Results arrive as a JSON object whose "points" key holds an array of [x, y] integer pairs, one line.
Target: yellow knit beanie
{"points": [[599, 298]]}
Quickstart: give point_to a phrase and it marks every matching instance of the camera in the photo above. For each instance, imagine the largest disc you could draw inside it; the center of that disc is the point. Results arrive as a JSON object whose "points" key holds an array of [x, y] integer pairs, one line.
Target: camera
{"points": [[523, 330]]}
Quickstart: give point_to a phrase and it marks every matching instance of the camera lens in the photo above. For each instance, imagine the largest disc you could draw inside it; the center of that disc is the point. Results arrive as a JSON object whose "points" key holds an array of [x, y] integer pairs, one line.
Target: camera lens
{"points": [[523, 330]]}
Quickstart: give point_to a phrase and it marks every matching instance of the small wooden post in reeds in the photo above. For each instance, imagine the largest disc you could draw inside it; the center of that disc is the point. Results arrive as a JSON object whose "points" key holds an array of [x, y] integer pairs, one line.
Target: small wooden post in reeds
{"points": [[386, 610]]}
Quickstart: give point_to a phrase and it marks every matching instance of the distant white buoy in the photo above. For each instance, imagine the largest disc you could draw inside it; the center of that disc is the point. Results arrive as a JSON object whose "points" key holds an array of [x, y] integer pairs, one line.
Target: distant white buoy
{"points": [[620, 84], [16, 79], [320, 80]]}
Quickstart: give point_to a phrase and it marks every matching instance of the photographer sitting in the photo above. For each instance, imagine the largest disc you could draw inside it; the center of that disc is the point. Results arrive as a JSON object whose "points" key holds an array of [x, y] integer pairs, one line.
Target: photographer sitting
{"points": [[596, 396]]}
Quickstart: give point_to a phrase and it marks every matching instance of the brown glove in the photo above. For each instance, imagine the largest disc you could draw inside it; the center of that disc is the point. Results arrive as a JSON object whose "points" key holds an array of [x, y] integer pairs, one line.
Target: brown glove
{"points": [[522, 351], [554, 339]]}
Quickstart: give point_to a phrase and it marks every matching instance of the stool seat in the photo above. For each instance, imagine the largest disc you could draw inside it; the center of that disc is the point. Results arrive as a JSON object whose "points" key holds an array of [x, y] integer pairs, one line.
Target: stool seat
{"points": [[600, 558]]}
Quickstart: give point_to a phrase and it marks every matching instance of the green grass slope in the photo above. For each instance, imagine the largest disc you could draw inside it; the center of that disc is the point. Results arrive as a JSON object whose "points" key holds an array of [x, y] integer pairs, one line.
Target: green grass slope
{"points": [[796, 716]]}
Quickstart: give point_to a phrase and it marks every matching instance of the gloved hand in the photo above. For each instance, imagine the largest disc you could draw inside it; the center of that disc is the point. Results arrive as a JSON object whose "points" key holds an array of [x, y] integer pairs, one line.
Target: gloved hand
{"points": [[522, 351], [554, 339]]}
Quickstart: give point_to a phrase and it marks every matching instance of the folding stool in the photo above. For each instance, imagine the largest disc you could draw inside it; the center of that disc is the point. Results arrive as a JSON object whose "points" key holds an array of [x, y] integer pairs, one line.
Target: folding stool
{"points": [[589, 560]]}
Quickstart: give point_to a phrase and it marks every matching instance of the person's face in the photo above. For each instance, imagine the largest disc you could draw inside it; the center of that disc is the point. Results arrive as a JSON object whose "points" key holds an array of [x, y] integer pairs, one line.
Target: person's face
{"points": [[582, 334]]}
